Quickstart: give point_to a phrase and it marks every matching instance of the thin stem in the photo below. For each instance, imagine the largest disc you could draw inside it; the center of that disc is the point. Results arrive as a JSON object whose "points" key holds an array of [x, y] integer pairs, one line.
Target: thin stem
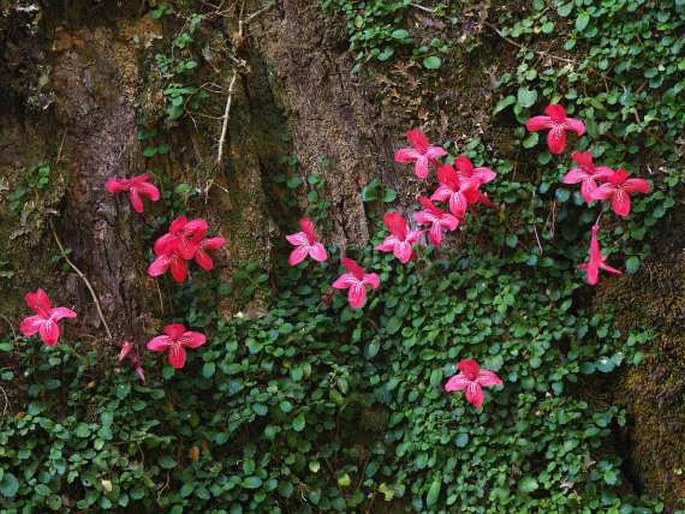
{"points": [[83, 277]]}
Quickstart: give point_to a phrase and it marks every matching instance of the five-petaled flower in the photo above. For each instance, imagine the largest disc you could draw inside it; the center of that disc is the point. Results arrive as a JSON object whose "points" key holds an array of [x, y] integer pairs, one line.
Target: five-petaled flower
{"points": [[306, 244], [586, 174], [356, 281], [46, 318], [438, 220], [618, 187], [176, 339], [137, 187], [558, 124], [472, 379], [401, 239], [596, 260], [421, 153]]}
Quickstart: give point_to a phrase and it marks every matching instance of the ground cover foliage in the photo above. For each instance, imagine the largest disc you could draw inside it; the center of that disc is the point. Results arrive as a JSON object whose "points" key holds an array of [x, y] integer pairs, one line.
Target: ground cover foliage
{"points": [[304, 405]]}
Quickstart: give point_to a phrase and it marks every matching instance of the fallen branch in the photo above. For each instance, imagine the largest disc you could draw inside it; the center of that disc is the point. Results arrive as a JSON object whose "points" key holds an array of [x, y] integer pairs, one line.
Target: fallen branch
{"points": [[83, 277], [224, 124]]}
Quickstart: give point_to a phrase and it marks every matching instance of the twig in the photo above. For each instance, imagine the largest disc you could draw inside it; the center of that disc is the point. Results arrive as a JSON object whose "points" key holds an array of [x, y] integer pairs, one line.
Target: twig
{"points": [[537, 238], [422, 8], [11, 325], [61, 146], [224, 125], [522, 47], [7, 402], [254, 15], [85, 281]]}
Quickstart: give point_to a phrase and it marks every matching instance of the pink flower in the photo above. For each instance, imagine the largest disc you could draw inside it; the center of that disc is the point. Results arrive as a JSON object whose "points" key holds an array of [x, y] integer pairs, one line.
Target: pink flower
{"points": [[185, 241], [618, 188], [558, 123], [306, 243], [454, 190], [481, 175], [420, 153], [46, 318], [356, 281], [438, 219], [137, 187], [130, 352], [596, 260], [401, 239], [176, 340], [473, 379], [587, 174]]}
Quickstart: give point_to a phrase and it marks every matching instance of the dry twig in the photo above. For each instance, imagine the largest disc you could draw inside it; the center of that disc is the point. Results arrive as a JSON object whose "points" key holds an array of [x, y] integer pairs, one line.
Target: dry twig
{"points": [[83, 277]]}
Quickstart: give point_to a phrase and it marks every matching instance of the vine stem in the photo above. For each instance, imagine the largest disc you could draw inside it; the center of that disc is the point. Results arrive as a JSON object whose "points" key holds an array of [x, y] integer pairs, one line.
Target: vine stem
{"points": [[224, 124], [83, 277]]}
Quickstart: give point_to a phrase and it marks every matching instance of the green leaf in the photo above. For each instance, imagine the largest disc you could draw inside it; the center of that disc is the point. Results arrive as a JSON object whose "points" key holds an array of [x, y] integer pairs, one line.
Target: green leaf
{"points": [[632, 264], [504, 103], [564, 10], [299, 423], [386, 54], [432, 63], [252, 483], [582, 21], [528, 485], [433, 492], [526, 97], [167, 462], [208, 369], [9, 485]]}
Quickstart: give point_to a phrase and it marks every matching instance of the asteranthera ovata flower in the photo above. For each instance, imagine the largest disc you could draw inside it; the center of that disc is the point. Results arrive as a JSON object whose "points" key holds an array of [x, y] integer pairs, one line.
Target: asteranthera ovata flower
{"points": [[596, 260], [438, 220], [618, 188], [137, 187], [472, 379], [401, 239], [556, 121], [176, 339], [421, 153], [44, 322], [306, 244], [356, 281]]}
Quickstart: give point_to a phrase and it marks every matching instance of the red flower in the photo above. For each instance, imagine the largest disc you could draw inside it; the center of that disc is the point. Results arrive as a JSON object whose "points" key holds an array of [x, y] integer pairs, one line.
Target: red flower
{"points": [[587, 174], [618, 188], [596, 260], [473, 379], [46, 318], [185, 241], [176, 340], [558, 123], [481, 175], [306, 244], [137, 187], [454, 190], [401, 239], [421, 153], [438, 219], [356, 281]]}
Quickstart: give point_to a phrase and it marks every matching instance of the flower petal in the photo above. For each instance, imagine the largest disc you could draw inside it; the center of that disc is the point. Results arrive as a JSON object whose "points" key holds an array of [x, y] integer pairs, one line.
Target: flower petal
{"points": [[149, 190], [31, 325], [203, 259], [474, 394], [177, 356], [179, 269], [38, 301], [372, 279], [159, 343], [405, 155], [574, 125], [353, 267], [159, 266], [49, 332], [213, 243], [421, 167], [345, 281], [487, 378], [418, 140], [59, 313], [403, 252], [193, 339], [469, 368], [175, 330], [556, 140], [357, 295], [458, 204], [435, 152], [435, 235], [298, 239], [620, 202], [539, 123], [318, 252], [136, 200], [556, 112], [298, 255], [457, 383], [575, 176], [116, 185], [396, 224], [636, 185]]}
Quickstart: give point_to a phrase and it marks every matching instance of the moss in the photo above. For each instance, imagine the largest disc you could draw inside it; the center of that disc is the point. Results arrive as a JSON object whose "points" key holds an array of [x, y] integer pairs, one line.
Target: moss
{"points": [[653, 392]]}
